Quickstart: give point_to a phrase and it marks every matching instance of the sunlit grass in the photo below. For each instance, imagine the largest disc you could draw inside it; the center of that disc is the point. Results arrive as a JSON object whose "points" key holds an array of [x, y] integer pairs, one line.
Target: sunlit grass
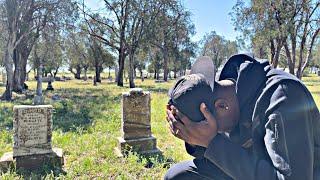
{"points": [[88, 132]]}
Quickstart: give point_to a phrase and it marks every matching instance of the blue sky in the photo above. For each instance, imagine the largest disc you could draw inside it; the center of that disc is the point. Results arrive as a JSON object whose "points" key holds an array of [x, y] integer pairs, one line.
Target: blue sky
{"points": [[207, 15]]}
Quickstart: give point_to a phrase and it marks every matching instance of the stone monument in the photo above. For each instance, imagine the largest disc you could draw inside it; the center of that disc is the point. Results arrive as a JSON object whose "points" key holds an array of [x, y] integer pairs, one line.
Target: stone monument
{"points": [[4, 78], [135, 124], [32, 139]]}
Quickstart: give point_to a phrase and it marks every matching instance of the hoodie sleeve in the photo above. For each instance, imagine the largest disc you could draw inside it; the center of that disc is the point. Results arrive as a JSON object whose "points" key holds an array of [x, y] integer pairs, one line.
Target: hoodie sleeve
{"points": [[288, 140], [195, 151]]}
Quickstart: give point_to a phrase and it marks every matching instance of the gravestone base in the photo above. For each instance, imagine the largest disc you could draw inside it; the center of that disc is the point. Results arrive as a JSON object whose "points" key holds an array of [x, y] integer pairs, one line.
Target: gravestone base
{"points": [[143, 146], [54, 160], [6, 162]]}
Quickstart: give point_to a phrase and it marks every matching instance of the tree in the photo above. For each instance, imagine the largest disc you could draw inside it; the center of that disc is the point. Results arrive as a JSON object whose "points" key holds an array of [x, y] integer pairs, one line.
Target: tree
{"points": [[166, 31], [292, 25], [258, 24], [125, 25], [218, 48], [77, 51], [100, 57], [48, 52], [316, 56], [23, 21]]}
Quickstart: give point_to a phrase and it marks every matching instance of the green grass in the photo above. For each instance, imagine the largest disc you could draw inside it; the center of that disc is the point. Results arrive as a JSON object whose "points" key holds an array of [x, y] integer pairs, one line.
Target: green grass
{"points": [[87, 124]]}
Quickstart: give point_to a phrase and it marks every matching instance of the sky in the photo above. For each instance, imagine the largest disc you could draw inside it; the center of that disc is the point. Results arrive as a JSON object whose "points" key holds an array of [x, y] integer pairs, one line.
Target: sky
{"points": [[207, 16], [212, 15]]}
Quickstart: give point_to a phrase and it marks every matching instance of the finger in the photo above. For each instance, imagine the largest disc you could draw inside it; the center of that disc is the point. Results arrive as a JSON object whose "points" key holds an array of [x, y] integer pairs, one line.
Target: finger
{"points": [[172, 130], [171, 119], [207, 114], [178, 124], [181, 134], [170, 115], [167, 118], [186, 121]]}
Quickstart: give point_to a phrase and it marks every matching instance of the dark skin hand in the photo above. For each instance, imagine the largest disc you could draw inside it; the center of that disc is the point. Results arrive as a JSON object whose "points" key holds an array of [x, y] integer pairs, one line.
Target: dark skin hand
{"points": [[194, 133]]}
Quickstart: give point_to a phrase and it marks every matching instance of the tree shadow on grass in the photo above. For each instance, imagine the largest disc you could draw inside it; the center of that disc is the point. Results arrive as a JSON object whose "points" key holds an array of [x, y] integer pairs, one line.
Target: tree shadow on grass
{"points": [[151, 160], [154, 89], [78, 109], [43, 173]]}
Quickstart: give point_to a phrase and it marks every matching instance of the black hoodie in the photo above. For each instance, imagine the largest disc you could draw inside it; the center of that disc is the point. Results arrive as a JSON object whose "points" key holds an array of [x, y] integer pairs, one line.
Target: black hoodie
{"points": [[278, 134]]}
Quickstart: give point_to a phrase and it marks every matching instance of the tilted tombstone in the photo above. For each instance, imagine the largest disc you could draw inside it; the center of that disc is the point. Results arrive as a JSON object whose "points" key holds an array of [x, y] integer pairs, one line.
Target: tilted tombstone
{"points": [[135, 124], [32, 147]]}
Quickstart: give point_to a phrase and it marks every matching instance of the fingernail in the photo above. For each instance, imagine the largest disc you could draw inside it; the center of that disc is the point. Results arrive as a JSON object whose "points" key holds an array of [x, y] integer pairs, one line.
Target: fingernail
{"points": [[203, 105]]}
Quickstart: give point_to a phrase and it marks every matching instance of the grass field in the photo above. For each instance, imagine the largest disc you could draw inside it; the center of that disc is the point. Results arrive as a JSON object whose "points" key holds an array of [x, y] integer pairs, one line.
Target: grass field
{"points": [[87, 123]]}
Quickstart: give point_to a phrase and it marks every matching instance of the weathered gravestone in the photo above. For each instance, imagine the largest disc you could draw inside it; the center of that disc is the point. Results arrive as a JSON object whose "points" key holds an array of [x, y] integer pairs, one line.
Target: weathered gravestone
{"points": [[4, 78], [32, 148], [135, 124]]}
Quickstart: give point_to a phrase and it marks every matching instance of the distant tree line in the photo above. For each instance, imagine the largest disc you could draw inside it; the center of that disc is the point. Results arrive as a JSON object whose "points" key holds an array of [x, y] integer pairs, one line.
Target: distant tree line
{"points": [[286, 30], [129, 36]]}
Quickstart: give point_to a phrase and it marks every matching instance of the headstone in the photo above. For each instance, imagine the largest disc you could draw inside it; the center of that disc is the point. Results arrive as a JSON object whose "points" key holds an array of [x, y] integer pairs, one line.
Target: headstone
{"points": [[318, 72], [32, 148], [4, 78], [49, 79], [135, 124], [50, 87]]}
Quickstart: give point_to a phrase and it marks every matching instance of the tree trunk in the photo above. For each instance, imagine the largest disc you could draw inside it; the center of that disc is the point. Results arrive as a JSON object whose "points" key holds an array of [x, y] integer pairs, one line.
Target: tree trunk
{"points": [[97, 72], [141, 74], [309, 53], [277, 56], [165, 63], [17, 87], [116, 71], [85, 78], [8, 63], [293, 56], [121, 68], [20, 72], [131, 70], [158, 75], [77, 75]]}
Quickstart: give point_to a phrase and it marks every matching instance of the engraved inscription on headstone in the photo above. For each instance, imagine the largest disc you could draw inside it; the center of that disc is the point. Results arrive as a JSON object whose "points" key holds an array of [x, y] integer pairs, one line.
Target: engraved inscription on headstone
{"points": [[135, 124], [32, 126], [32, 140], [136, 114]]}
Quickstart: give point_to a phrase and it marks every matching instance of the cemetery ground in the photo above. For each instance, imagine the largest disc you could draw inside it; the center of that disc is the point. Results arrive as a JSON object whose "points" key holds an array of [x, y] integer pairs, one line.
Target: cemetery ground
{"points": [[86, 124]]}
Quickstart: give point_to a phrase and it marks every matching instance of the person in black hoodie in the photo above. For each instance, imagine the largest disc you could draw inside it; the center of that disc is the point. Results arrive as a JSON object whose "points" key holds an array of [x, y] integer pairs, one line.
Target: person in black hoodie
{"points": [[265, 125]]}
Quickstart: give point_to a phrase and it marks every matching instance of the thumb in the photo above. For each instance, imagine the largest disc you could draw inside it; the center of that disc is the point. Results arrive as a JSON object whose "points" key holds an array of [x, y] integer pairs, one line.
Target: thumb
{"points": [[207, 114]]}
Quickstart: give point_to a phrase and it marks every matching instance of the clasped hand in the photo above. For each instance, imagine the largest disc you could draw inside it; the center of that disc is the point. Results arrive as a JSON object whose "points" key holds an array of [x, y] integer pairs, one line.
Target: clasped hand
{"points": [[194, 133]]}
